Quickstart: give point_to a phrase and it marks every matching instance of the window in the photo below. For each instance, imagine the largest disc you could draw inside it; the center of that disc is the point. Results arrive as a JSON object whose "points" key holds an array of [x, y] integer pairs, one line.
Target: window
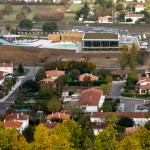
{"points": [[105, 43], [83, 108]]}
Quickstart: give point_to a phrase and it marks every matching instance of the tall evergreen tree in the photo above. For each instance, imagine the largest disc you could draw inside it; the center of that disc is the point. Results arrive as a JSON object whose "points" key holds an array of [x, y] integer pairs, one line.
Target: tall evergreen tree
{"points": [[124, 59], [20, 69], [133, 56]]}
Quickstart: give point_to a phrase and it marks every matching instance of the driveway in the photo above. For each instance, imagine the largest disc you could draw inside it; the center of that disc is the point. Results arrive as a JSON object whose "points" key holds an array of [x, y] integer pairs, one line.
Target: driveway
{"points": [[8, 100]]}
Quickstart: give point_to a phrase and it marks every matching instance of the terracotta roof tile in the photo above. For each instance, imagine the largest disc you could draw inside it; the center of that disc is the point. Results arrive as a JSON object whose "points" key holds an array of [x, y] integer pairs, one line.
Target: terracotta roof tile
{"points": [[93, 77], [120, 72], [50, 125], [90, 97], [17, 116], [12, 123], [135, 15], [131, 130], [55, 73], [60, 115]]}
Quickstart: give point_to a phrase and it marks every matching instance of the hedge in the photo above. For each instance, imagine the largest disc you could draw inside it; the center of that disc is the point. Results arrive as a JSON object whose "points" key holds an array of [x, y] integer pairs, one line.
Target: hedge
{"points": [[135, 95], [78, 83], [129, 87]]}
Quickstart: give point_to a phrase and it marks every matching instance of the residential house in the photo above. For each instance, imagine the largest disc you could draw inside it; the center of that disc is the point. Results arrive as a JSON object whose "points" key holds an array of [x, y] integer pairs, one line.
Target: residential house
{"points": [[105, 19], [58, 115], [147, 72], [50, 125], [13, 123], [139, 8], [19, 117], [131, 130], [7, 68], [48, 81], [120, 73], [54, 74], [134, 17], [139, 118], [143, 85], [91, 100], [92, 77]]}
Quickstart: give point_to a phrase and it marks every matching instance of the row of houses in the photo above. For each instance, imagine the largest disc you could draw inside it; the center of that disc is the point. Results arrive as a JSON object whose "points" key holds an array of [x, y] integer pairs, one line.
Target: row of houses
{"points": [[97, 119]]}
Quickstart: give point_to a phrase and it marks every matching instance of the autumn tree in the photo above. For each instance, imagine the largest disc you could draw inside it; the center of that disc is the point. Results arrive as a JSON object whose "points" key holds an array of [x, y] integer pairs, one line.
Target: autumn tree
{"points": [[21, 16], [133, 74], [54, 104], [26, 8], [124, 59], [106, 89], [133, 57], [43, 55], [8, 9], [108, 79], [101, 140], [87, 81]]}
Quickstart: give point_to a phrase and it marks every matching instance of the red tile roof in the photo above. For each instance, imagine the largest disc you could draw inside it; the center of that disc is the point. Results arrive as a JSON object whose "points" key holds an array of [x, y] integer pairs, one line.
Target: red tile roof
{"points": [[131, 130], [120, 72], [17, 116], [60, 115], [127, 114], [144, 79], [1, 77], [55, 73], [90, 97], [6, 64], [139, 6], [95, 125], [93, 77], [50, 125], [12, 123]]}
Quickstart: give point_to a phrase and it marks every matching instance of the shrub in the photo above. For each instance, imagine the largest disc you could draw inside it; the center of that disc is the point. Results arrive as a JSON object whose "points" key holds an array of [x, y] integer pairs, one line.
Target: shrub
{"points": [[21, 16]]}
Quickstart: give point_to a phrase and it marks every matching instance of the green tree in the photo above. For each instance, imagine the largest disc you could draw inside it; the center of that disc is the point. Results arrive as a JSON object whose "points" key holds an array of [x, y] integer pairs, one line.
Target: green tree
{"points": [[133, 57], [8, 9], [106, 89], [26, 24], [75, 74], [147, 125], [20, 69], [54, 105], [124, 59], [120, 7], [121, 16], [49, 27], [108, 79], [87, 81], [125, 122], [133, 75], [40, 75], [28, 133]]}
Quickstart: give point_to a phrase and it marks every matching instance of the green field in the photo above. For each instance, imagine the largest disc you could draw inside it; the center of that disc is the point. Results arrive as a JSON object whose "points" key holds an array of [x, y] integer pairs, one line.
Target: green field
{"points": [[34, 10]]}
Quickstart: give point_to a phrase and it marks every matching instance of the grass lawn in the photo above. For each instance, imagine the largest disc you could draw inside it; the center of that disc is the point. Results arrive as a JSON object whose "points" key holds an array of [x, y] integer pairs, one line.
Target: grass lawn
{"points": [[34, 9], [76, 7]]}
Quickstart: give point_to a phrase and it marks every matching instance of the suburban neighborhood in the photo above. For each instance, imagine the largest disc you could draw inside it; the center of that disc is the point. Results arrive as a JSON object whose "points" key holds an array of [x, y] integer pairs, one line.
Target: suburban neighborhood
{"points": [[74, 75]]}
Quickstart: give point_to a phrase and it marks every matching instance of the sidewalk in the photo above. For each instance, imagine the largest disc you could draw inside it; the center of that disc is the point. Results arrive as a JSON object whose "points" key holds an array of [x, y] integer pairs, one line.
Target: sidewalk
{"points": [[18, 83], [131, 98]]}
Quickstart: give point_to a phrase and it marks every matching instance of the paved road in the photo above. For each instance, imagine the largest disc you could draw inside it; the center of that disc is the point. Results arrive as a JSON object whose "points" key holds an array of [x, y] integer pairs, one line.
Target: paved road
{"points": [[8, 101], [129, 103], [116, 87]]}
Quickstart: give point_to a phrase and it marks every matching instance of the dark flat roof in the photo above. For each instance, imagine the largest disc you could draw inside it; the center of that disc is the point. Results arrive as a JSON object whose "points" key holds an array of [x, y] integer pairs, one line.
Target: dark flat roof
{"points": [[100, 36]]}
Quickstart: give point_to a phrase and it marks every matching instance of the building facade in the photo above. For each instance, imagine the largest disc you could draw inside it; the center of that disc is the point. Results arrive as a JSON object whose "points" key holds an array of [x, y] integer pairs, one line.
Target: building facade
{"points": [[100, 41]]}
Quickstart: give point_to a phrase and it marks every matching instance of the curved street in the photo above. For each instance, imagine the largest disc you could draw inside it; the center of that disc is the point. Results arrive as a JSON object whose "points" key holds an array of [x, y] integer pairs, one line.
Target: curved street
{"points": [[8, 100]]}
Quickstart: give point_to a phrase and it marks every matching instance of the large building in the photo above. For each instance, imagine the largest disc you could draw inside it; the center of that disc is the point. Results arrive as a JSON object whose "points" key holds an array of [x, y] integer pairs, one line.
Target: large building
{"points": [[100, 41]]}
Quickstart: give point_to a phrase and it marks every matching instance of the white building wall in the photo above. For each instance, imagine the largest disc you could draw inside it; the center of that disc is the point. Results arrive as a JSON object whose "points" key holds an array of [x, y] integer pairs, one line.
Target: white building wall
{"points": [[25, 123], [101, 101], [1, 81], [7, 70]]}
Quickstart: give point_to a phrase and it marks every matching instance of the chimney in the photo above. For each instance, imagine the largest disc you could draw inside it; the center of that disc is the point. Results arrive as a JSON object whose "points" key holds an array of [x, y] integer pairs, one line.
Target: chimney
{"points": [[52, 113], [4, 120], [4, 63], [21, 113], [56, 68], [17, 116]]}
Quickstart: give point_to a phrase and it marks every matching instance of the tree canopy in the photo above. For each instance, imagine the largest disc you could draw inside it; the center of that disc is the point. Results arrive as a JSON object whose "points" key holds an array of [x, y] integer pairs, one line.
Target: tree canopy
{"points": [[26, 24], [49, 27]]}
